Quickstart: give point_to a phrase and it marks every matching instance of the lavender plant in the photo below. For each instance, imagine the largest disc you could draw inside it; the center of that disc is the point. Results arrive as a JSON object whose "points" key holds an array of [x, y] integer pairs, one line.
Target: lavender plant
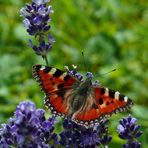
{"points": [[28, 128], [36, 21], [129, 130], [75, 135]]}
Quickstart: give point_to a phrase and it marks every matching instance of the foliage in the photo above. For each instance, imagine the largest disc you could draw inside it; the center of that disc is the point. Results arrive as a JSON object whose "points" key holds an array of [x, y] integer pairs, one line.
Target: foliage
{"points": [[112, 34]]}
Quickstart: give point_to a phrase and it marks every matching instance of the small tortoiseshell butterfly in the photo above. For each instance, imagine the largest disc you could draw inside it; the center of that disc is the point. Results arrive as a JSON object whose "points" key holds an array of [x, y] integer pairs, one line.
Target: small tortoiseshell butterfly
{"points": [[83, 101]]}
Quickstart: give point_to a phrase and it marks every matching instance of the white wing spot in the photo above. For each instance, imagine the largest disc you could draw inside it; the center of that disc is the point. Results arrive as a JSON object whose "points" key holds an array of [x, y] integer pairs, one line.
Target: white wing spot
{"points": [[125, 98], [51, 108], [106, 91], [42, 68], [117, 95], [103, 105], [53, 70], [86, 123], [63, 75], [54, 112]]}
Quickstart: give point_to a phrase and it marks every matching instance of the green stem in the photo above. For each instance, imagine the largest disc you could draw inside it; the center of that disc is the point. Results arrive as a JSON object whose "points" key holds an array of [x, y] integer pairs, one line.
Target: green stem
{"points": [[46, 60]]}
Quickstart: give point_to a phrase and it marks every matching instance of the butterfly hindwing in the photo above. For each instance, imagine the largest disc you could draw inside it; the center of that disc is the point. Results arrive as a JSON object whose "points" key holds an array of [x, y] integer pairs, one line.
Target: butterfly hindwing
{"points": [[54, 83], [107, 102]]}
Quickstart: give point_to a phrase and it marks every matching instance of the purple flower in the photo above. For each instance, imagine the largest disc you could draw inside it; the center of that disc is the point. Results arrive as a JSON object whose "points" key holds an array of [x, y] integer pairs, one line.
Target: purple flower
{"points": [[133, 144], [89, 75], [42, 49], [74, 72], [78, 136], [129, 130], [37, 17], [28, 128], [36, 21]]}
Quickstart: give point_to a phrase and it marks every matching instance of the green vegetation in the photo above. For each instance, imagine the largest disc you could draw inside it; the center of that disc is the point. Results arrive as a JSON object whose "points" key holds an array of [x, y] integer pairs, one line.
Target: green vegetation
{"points": [[112, 34]]}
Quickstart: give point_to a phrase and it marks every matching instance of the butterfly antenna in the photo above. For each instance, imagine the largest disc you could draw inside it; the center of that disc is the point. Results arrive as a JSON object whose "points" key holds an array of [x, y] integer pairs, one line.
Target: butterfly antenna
{"points": [[84, 61], [105, 73]]}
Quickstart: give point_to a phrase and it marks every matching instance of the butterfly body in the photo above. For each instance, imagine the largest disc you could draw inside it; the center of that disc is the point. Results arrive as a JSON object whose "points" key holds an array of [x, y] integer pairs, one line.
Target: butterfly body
{"points": [[83, 101], [79, 100]]}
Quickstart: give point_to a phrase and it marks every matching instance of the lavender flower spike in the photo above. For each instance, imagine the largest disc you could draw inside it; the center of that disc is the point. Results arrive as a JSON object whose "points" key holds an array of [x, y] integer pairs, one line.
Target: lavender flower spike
{"points": [[28, 128], [36, 21], [38, 16], [78, 136], [42, 49], [129, 130]]}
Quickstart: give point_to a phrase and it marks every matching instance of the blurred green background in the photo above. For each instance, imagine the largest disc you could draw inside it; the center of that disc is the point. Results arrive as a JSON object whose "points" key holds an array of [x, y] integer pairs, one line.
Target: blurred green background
{"points": [[111, 33]]}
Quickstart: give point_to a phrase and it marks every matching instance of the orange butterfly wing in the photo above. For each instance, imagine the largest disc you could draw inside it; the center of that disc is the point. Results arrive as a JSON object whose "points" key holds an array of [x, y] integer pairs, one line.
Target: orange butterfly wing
{"points": [[107, 102], [54, 83]]}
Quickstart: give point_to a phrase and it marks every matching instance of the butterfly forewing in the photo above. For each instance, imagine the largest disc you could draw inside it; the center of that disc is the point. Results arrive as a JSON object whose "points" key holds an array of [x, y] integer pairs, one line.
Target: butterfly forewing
{"points": [[110, 101], [54, 83]]}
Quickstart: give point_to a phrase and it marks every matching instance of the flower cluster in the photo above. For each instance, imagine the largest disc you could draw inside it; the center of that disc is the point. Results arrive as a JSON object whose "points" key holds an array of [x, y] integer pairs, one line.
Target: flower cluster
{"points": [[79, 76], [129, 130], [36, 20], [75, 135], [76, 74], [37, 17], [28, 128]]}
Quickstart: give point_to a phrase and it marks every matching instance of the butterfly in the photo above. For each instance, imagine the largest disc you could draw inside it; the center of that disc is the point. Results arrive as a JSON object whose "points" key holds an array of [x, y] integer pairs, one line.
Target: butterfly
{"points": [[85, 102]]}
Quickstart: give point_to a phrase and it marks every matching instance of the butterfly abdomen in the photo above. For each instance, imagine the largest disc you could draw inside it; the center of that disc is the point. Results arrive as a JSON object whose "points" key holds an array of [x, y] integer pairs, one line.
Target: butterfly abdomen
{"points": [[77, 103], [80, 95]]}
